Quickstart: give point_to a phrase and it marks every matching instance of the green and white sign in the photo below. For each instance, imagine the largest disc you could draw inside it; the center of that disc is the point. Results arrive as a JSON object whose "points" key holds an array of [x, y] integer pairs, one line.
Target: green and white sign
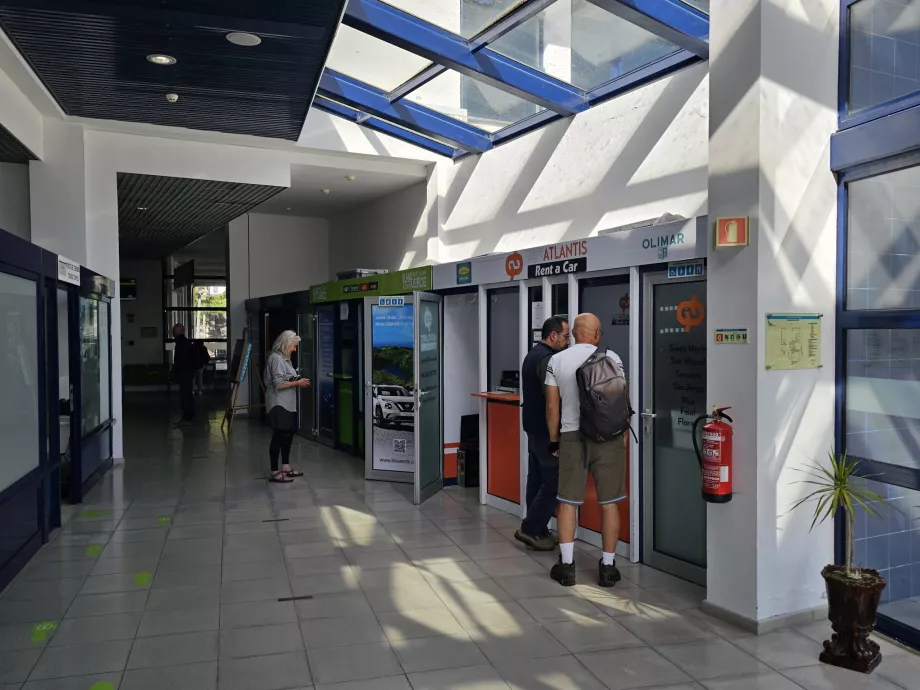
{"points": [[396, 283]]}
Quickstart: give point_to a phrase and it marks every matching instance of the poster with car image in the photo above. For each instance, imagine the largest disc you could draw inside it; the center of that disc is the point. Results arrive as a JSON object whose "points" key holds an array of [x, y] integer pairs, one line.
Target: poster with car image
{"points": [[393, 393]]}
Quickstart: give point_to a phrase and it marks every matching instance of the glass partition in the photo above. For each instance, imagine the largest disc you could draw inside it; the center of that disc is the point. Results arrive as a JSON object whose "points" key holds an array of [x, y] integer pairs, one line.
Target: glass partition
{"points": [[90, 357], [19, 452], [504, 310]]}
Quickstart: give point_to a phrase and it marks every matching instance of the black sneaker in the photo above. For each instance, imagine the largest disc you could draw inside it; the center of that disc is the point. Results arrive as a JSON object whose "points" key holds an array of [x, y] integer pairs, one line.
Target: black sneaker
{"points": [[563, 573], [608, 574], [535, 543]]}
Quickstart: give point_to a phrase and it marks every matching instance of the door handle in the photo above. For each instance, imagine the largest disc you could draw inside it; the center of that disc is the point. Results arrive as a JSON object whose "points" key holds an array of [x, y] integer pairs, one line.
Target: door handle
{"points": [[648, 415]]}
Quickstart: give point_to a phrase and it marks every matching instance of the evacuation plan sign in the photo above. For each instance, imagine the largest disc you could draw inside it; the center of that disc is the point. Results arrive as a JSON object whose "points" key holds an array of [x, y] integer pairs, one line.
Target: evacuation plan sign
{"points": [[793, 341]]}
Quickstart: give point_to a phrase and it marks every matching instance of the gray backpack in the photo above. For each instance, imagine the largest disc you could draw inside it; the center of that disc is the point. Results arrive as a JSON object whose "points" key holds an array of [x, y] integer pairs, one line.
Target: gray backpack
{"points": [[603, 395]]}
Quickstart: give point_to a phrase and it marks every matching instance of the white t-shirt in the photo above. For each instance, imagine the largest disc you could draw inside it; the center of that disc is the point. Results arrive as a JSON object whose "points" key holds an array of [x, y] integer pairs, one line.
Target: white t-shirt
{"points": [[560, 372]]}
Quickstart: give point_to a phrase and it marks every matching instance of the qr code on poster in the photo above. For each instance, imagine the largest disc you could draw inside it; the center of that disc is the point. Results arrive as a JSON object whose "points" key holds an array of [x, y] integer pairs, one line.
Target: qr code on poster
{"points": [[399, 446]]}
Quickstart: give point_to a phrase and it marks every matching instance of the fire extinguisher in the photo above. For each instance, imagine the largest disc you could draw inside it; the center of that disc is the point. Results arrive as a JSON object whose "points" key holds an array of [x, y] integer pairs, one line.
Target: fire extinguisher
{"points": [[716, 456]]}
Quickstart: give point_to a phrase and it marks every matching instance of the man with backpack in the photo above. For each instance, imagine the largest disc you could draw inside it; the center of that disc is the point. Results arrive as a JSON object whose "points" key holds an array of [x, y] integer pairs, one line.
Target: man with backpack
{"points": [[543, 466], [587, 414], [204, 358]]}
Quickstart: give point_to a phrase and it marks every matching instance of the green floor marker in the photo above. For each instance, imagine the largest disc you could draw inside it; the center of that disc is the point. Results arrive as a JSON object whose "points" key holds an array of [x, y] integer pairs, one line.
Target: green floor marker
{"points": [[104, 685], [164, 520], [142, 579], [94, 549], [41, 631]]}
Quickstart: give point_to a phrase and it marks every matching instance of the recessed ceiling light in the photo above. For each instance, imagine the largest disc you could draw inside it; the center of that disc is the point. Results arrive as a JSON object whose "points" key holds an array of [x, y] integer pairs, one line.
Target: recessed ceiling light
{"points": [[141, 208], [351, 178], [160, 59], [288, 208], [327, 192], [240, 38]]}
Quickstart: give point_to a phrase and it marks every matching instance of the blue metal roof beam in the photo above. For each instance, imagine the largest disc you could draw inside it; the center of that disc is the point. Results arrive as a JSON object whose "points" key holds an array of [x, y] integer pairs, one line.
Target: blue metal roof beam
{"points": [[382, 126], [672, 20], [412, 116], [438, 45]]}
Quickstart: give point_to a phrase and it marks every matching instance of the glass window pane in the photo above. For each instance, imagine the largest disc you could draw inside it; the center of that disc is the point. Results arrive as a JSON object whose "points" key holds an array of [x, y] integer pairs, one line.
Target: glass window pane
{"points": [[473, 101], [884, 51], [105, 391], [90, 357], [213, 296], [371, 60], [883, 241], [580, 43], [209, 324], [19, 373], [701, 5], [888, 543], [463, 17], [883, 395]]}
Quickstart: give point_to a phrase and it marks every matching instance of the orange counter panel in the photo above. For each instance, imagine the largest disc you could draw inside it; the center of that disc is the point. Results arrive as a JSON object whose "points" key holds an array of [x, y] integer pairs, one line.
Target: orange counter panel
{"points": [[503, 414], [589, 516]]}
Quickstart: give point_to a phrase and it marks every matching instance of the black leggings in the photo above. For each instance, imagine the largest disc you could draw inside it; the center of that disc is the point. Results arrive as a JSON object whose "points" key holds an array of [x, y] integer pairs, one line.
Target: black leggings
{"points": [[283, 423]]}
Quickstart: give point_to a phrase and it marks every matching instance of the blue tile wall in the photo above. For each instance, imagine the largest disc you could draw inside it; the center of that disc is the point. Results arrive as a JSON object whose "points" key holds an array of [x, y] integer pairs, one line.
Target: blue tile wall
{"points": [[884, 51], [890, 543]]}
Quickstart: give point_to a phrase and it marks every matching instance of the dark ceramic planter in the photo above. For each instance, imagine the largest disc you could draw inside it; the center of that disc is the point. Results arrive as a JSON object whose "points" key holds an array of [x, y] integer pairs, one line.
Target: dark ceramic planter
{"points": [[851, 611]]}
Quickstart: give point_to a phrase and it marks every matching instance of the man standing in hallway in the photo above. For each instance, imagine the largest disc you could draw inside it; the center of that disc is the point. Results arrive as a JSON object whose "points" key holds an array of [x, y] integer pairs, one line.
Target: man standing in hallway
{"points": [[542, 466], [185, 364], [578, 455]]}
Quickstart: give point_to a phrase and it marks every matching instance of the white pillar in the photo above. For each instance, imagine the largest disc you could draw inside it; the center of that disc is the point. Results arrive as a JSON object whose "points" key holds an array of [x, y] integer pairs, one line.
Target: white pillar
{"points": [[238, 288], [773, 107]]}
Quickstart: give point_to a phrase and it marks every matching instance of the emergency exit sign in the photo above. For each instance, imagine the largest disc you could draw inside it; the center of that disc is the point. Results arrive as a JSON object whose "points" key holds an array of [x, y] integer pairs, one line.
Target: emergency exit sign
{"points": [[731, 336]]}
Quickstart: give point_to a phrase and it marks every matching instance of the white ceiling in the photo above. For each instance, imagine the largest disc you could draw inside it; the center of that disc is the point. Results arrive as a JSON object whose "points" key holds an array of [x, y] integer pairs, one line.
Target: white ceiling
{"points": [[305, 196]]}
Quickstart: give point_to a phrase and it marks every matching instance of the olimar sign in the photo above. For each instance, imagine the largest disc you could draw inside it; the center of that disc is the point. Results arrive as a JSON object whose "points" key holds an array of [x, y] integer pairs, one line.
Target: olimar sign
{"points": [[561, 259]]}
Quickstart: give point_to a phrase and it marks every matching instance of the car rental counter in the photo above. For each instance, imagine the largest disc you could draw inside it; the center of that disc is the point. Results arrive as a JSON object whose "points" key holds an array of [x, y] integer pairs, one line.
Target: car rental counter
{"points": [[503, 441]]}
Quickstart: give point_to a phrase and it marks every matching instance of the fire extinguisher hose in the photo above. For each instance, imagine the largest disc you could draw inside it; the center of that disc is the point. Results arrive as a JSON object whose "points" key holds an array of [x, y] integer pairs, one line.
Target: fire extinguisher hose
{"points": [[696, 444]]}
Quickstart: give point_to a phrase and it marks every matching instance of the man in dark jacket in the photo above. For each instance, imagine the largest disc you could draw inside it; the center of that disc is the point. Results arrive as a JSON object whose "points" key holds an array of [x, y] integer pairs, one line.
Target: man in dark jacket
{"points": [[185, 364], [543, 466]]}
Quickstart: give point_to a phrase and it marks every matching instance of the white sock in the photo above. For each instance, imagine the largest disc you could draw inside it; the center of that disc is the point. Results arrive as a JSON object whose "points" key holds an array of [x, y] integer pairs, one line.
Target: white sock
{"points": [[567, 551], [608, 558]]}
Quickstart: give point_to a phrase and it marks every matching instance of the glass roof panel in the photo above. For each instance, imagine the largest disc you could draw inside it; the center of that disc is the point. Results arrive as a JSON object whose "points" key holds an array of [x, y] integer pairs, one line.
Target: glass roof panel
{"points": [[463, 17], [578, 42], [371, 60], [701, 5], [472, 101]]}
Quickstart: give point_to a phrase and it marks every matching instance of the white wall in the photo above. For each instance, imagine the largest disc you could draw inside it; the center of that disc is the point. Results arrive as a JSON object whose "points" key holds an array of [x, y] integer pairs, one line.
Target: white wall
{"points": [[395, 232], [286, 253], [15, 216], [147, 311]]}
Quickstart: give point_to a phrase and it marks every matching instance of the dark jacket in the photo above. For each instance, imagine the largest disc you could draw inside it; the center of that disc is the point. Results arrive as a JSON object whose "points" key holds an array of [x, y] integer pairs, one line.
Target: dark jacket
{"points": [[185, 357], [533, 375]]}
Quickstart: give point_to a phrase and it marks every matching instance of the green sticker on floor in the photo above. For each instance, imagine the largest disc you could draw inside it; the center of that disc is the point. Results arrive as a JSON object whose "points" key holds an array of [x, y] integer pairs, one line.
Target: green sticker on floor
{"points": [[41, 631], [94, 549], [142, 579], [93, 514], [105, 685], [164, 520]]}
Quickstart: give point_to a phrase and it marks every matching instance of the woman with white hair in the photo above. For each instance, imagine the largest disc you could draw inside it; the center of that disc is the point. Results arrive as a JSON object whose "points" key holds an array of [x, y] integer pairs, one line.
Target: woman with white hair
{"points": [[282, 382]]}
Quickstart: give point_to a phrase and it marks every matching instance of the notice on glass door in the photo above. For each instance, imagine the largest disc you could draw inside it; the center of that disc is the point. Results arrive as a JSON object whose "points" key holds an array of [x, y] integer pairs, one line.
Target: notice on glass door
{"points": [[393, 401], [793, 341]]}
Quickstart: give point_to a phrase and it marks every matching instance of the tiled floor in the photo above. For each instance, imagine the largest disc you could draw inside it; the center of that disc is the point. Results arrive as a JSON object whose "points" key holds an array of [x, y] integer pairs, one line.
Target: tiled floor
{"points": [[178, 574]]}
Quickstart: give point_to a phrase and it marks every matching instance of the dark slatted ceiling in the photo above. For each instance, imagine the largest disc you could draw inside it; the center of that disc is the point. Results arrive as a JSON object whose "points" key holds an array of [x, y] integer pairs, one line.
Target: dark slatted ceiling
{"points": [[92, 58], [12, 150], [178, 211]]}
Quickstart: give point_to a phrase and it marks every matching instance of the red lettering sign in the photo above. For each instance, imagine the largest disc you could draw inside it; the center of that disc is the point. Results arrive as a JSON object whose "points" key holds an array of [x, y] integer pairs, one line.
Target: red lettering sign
{"points": [[566, 251]]}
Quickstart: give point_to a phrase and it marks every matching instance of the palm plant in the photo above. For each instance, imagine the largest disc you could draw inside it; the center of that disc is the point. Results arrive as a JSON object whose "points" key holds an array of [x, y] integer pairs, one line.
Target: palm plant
{"points": [[839, 488]]}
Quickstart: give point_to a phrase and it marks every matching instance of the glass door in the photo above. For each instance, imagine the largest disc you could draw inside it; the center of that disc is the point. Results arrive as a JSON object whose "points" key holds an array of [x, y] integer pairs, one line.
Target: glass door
{"points": [[429, 444], [305, 326], [390, 398], [674, 376], [324, 382]]}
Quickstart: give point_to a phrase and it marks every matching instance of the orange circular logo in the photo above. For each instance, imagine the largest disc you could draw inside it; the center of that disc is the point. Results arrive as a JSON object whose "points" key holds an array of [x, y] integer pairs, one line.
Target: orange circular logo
{"points": [[514, 265]]}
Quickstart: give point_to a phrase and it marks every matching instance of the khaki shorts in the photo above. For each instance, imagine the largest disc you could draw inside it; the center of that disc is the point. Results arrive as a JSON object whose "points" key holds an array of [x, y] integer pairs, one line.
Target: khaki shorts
{"points": [[605, 461]]}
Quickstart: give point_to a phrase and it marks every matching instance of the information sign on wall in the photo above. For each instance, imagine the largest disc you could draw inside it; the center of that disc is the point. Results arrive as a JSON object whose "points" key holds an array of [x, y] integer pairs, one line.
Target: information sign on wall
{"points": [[732, 232], [793, 341], [68, 271]]}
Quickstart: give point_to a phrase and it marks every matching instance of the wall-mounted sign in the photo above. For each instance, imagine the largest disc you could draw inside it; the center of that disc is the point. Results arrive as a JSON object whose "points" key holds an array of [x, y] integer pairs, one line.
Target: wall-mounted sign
{"points": [[514, 265], [464, 273], [793, 341], [558, 268], [391, 301], [68, 271], [569, 250], [731, 336], [687, 269], [732, 232], [394, 283]]}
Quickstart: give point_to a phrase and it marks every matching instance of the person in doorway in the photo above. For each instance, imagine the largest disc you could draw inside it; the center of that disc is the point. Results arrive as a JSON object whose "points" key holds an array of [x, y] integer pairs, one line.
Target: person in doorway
{"points": [[204, 358], [281, 385], [542, 465], [185, 364], [578, 455]]}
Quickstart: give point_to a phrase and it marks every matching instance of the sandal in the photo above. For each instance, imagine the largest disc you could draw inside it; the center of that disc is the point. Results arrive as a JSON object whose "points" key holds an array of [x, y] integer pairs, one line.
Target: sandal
{"points": [[293, 473], [280, 478]]}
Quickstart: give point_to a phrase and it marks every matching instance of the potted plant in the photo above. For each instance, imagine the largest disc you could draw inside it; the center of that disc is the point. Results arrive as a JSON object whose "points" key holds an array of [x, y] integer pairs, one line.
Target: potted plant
{"points": [[852, 593]]}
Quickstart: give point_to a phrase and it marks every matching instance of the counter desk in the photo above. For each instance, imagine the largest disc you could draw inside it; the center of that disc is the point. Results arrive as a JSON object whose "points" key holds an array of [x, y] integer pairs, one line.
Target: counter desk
{"points": [[503, 422]]}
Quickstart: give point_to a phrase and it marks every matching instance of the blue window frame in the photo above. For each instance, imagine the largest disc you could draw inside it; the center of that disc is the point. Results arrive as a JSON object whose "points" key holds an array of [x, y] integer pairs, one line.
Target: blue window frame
{"points": [[502, 62], [876, 156]]}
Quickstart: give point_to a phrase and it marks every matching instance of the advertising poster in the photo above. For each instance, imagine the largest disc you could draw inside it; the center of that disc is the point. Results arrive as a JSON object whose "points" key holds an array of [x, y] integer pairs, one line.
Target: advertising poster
{"points": [[325, 332], [393, 402]]}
